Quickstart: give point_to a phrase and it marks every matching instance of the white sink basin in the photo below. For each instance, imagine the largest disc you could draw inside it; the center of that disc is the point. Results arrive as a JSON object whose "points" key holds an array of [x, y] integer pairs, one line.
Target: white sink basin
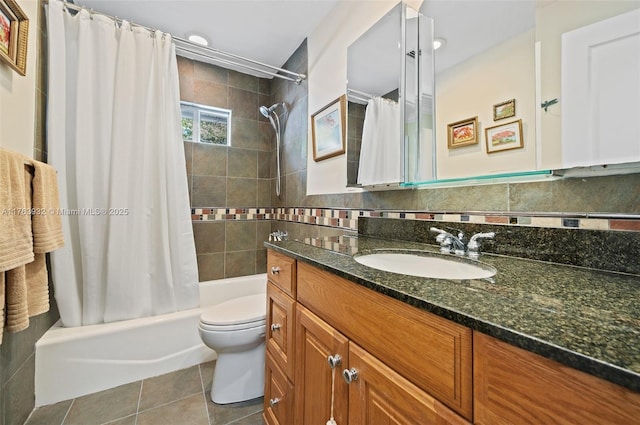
{"points": [[433, 266]]}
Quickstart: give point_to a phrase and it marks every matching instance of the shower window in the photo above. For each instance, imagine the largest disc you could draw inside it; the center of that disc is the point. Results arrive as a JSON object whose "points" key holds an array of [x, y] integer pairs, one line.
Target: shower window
{"points": [[205, 124]]}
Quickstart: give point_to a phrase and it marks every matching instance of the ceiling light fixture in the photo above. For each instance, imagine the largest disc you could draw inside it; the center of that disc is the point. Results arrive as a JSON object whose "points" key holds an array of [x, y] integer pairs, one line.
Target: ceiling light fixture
{"points": [[197, 38], [438, 43]]}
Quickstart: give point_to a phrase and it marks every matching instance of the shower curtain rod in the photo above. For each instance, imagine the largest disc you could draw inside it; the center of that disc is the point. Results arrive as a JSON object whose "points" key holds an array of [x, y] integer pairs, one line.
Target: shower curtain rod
{"points": [[209, 52]]}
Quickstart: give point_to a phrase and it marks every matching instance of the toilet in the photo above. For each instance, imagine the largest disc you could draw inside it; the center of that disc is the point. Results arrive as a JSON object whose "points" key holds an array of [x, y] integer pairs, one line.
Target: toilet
{"points": [[235, 330]]}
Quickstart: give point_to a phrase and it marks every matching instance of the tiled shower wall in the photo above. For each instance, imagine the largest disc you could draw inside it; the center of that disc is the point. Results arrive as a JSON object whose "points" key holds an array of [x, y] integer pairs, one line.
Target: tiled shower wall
{"points": [[237, 176], [242, 176]]}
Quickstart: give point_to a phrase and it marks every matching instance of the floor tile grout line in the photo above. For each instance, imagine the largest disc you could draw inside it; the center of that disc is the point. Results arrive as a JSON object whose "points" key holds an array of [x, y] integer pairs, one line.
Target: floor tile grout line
{"points": [[169, 402], [204, 394], [139, 402], [68, 411]]}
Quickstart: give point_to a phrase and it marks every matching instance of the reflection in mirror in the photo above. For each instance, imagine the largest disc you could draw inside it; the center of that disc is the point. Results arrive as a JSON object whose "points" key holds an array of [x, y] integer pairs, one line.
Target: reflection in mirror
{"points": [[488, 58], [384, 100], [559, 26]]}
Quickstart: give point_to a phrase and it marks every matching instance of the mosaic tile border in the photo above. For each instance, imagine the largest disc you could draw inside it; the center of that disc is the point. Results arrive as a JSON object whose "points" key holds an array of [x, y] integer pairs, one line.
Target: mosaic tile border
{"points": [[348, 218]]}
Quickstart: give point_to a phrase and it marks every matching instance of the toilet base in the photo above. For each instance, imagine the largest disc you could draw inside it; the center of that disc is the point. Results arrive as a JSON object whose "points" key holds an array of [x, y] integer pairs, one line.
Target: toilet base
{"points": [[238, 376]]}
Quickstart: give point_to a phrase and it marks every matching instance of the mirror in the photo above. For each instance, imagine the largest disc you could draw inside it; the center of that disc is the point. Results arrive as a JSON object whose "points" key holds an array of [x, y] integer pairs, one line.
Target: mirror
{"points": [[495, 52], [619, 105], [487, 59], [388, 92]]}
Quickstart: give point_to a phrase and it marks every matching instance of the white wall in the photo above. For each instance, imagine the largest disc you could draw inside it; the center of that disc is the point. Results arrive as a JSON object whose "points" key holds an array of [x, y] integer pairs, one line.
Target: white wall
{"points": [[18, 93], [470, 89], [327, 49]]}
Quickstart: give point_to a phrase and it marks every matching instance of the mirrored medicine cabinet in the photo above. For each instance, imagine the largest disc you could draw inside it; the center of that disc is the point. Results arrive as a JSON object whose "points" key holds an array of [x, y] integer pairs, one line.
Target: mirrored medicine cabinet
{"points": [[494, 52]]}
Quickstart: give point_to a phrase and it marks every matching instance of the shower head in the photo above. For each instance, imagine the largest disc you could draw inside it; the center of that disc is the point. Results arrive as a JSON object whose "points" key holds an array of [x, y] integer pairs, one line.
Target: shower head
{"points": [[267, 111]]}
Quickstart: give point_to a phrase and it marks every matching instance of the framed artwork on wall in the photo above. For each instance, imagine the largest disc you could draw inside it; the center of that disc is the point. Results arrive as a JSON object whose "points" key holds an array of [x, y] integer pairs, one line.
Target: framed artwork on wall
{"points": [[14, 33], [504, 110], [462, 133], [504, 137], [328, 128]]}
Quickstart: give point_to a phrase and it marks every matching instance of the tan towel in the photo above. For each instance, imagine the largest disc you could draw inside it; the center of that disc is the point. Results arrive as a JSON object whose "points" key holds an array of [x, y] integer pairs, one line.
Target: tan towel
{"points": [[24, 288], [17, 315], [45, 221], [16, 243]]}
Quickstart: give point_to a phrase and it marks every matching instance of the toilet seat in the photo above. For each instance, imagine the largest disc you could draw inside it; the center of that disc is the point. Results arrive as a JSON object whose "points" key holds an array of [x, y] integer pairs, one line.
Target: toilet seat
{"points": [[239, 313]]}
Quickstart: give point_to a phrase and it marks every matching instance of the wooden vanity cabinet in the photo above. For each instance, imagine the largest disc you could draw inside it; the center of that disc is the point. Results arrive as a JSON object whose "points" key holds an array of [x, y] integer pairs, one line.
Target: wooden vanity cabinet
{"points": [[432, 352], [408, 358], [515, 386], [280, 339], [412, 367]]}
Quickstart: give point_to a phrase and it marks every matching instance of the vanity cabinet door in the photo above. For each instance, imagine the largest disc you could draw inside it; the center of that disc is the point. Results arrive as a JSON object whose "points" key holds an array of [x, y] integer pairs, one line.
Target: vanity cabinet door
{"points": [[315, 342], [281, 271], [514, 386], [278, 395], [280, 328], [379, 395]]}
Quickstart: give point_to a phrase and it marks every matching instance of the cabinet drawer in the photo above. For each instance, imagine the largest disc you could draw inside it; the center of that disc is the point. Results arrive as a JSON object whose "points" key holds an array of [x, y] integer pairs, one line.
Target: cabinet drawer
{"points": [[431, 352], [282, 272], [280, 328], [515, 386], [278, 395]]}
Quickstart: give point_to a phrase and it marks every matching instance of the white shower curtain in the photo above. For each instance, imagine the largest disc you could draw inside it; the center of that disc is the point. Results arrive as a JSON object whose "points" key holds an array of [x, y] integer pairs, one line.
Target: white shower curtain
{"points": [[114, 135], [380, 152]]}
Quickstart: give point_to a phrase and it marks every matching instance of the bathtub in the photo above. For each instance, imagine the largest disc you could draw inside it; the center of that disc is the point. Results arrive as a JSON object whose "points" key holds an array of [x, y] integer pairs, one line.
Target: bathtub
{"points": [[71, 362]]}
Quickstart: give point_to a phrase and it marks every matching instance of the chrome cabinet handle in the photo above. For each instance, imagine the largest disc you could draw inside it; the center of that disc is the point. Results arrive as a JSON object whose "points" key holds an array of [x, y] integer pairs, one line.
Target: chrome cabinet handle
{"points": [[350, 375], [275, 327], [334, 361], [275, 270], [274, 401]]}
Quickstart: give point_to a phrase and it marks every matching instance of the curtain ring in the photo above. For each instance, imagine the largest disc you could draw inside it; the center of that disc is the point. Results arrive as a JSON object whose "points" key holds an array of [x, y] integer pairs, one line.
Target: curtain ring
{"points": [[91, 14]]}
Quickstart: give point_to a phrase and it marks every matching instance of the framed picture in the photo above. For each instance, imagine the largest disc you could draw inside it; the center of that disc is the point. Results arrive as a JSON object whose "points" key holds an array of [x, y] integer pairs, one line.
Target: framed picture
{"points": [[14, 32], [328, 128], [504, 110], [504, 137], [463, 133]]}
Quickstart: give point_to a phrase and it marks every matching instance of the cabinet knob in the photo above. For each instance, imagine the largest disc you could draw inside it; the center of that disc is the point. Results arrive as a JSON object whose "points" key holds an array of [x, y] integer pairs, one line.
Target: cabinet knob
{"points": [[274, 401], [350, 375], [275, 270], [334, 361], [275, 327]]}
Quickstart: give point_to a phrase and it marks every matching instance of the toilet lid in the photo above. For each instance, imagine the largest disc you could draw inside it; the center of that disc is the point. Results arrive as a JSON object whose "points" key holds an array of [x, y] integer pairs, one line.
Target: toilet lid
{"points": [[251, 308]]}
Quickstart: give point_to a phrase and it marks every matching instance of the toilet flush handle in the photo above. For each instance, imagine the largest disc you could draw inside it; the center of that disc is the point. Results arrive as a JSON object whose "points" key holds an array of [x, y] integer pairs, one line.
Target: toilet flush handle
{"points": [[275, 270]]}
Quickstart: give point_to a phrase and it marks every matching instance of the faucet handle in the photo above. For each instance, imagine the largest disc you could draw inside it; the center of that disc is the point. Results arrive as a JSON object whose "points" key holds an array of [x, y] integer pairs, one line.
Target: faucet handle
{"points": [[474, 246]]}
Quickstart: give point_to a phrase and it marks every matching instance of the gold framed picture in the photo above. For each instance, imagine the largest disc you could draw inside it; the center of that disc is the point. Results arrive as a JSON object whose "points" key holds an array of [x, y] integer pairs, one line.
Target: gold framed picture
{"points": [[504, 110], [462, 133], [328, 128], [14, 33], [504, 137]]}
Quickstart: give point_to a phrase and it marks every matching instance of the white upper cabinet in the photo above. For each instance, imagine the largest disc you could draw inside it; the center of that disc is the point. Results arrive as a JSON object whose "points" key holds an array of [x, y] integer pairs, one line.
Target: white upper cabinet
{"points": [[600, 95]]}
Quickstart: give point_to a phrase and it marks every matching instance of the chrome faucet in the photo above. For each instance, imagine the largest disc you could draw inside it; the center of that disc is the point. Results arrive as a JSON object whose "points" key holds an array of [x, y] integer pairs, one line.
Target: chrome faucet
{"points": [[473, 247], [278, 235], [456, 244]]}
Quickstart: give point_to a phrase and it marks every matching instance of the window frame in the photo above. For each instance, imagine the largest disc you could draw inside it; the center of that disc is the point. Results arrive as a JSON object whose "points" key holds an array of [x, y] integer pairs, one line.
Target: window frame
{"points": [[198, 109]]}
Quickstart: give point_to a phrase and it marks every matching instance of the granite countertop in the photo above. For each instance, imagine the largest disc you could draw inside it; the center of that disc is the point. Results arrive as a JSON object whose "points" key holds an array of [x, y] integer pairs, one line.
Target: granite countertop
{"points": [[587, 319]]}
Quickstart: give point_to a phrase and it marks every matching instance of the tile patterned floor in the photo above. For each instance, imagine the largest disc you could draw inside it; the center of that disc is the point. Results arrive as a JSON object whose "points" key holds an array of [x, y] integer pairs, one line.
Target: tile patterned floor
{"points": [[177, 398]]}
